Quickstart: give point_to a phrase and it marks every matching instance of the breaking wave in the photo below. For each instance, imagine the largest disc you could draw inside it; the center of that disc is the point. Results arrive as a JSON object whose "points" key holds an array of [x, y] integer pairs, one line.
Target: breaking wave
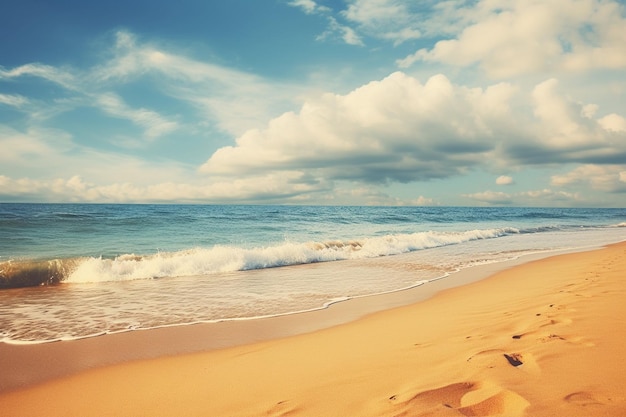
{"points": [[220, 259]]}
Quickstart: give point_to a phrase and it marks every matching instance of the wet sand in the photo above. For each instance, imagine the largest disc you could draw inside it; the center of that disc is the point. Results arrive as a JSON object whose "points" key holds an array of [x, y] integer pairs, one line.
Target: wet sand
{"points": [[542, 338]]}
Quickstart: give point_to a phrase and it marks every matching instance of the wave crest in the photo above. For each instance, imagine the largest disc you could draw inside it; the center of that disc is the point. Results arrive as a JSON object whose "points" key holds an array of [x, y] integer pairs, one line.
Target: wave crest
{"points": [[220, 259]]}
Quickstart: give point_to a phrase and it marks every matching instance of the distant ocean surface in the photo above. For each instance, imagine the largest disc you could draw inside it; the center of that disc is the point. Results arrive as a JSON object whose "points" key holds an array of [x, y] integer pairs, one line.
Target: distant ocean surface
{"points": [[71, 271]]}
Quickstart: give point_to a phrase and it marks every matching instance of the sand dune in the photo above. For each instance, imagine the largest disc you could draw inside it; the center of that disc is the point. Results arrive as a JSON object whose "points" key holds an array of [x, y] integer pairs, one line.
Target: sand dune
{"points": [[541, 339]]}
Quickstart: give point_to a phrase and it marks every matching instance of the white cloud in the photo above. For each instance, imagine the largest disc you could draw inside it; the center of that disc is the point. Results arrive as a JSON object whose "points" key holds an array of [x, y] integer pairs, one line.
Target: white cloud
{"points": [[609, 178], [391, 20], [368, 12], [215, 90], [394, 129], [562, 131], [550, 197], [491, 197], [31, 148], [504, 180], [613, 122], [397, 21], [82, 88], [337, 30], [561, 117], [154, 125], [75, 188], [512, 37], [544, 197], [13, 100], [309, 6], [45, 153], [132, 58], [403, 35], [398, 129], [59, 76]]}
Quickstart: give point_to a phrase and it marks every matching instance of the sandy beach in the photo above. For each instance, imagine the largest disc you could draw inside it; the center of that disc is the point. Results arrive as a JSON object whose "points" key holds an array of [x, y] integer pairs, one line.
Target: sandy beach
{"points": [[540, 339]]}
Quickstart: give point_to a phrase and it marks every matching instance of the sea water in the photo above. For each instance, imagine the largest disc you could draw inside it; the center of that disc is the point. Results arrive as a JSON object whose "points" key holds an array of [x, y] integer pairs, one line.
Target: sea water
{"points": [[71, 271]]}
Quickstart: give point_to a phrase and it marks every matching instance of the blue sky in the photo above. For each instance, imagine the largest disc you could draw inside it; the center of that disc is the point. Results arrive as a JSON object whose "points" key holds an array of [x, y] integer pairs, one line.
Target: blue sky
{"points": [[390, 102]]}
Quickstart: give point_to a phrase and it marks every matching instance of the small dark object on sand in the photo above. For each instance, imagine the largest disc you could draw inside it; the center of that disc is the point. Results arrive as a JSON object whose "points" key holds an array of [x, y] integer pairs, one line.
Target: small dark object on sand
{"points": [[514, 359]]}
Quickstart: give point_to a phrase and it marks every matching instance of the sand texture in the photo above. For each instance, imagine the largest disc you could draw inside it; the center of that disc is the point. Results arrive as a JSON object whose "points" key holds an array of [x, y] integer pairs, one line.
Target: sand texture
{"points": [[540, 339]]}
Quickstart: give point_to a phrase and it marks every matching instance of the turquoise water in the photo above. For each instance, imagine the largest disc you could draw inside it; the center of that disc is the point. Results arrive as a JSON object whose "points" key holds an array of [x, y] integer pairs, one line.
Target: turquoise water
{"points": [[125, 267]]}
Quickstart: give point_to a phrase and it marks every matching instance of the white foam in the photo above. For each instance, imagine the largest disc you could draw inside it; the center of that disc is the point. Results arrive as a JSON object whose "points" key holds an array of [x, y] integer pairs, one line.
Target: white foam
{"points": [[219, 259]]}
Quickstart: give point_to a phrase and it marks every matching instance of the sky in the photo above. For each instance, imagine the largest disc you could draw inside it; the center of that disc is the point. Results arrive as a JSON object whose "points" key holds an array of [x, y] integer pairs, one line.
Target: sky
{"points": [[330, 102]]}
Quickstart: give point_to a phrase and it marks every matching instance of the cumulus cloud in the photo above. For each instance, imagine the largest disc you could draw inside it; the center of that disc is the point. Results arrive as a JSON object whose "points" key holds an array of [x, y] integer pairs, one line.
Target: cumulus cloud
{"points": [[564, 132], [509, 38], [395, 129], [613, 122], [399, 129], [504, 180]]}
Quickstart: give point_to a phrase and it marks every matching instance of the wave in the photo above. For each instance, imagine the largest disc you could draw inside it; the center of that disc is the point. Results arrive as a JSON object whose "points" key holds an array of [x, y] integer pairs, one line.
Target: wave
{"points": [[15, 274], [221, 259]]}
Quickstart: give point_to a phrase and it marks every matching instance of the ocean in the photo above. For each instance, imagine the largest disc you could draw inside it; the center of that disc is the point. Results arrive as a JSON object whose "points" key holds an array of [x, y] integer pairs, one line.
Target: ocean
{"points": [[70, 271]]}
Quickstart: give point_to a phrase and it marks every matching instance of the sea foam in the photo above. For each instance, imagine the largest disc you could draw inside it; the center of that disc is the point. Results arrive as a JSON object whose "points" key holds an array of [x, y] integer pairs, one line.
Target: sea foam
{"points": [[220, 259]]}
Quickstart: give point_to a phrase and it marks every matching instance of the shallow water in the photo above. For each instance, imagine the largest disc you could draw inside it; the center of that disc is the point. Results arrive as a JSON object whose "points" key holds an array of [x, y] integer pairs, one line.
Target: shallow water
{"points": [[241, 262]]}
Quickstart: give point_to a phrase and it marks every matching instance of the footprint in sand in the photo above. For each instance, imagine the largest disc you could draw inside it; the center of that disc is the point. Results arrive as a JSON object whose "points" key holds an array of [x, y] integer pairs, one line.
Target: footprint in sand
{"points": [[467, 398], [544, 331], [498, 358], [582, 398], [547, 337]]}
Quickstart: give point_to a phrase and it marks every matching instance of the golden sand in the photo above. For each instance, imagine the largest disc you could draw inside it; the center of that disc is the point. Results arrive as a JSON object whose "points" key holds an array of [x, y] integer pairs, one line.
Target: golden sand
{"points": [[541, 339]]}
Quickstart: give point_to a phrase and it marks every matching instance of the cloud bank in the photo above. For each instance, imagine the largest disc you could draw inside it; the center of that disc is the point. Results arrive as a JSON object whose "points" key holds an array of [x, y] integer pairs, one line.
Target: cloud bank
{"points": [[401, 130]]}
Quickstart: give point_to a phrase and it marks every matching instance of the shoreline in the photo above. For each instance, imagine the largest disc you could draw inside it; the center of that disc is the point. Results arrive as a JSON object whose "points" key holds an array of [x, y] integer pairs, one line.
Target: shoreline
{"points": [[28, 364], [476, 272], [539, 338]]}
